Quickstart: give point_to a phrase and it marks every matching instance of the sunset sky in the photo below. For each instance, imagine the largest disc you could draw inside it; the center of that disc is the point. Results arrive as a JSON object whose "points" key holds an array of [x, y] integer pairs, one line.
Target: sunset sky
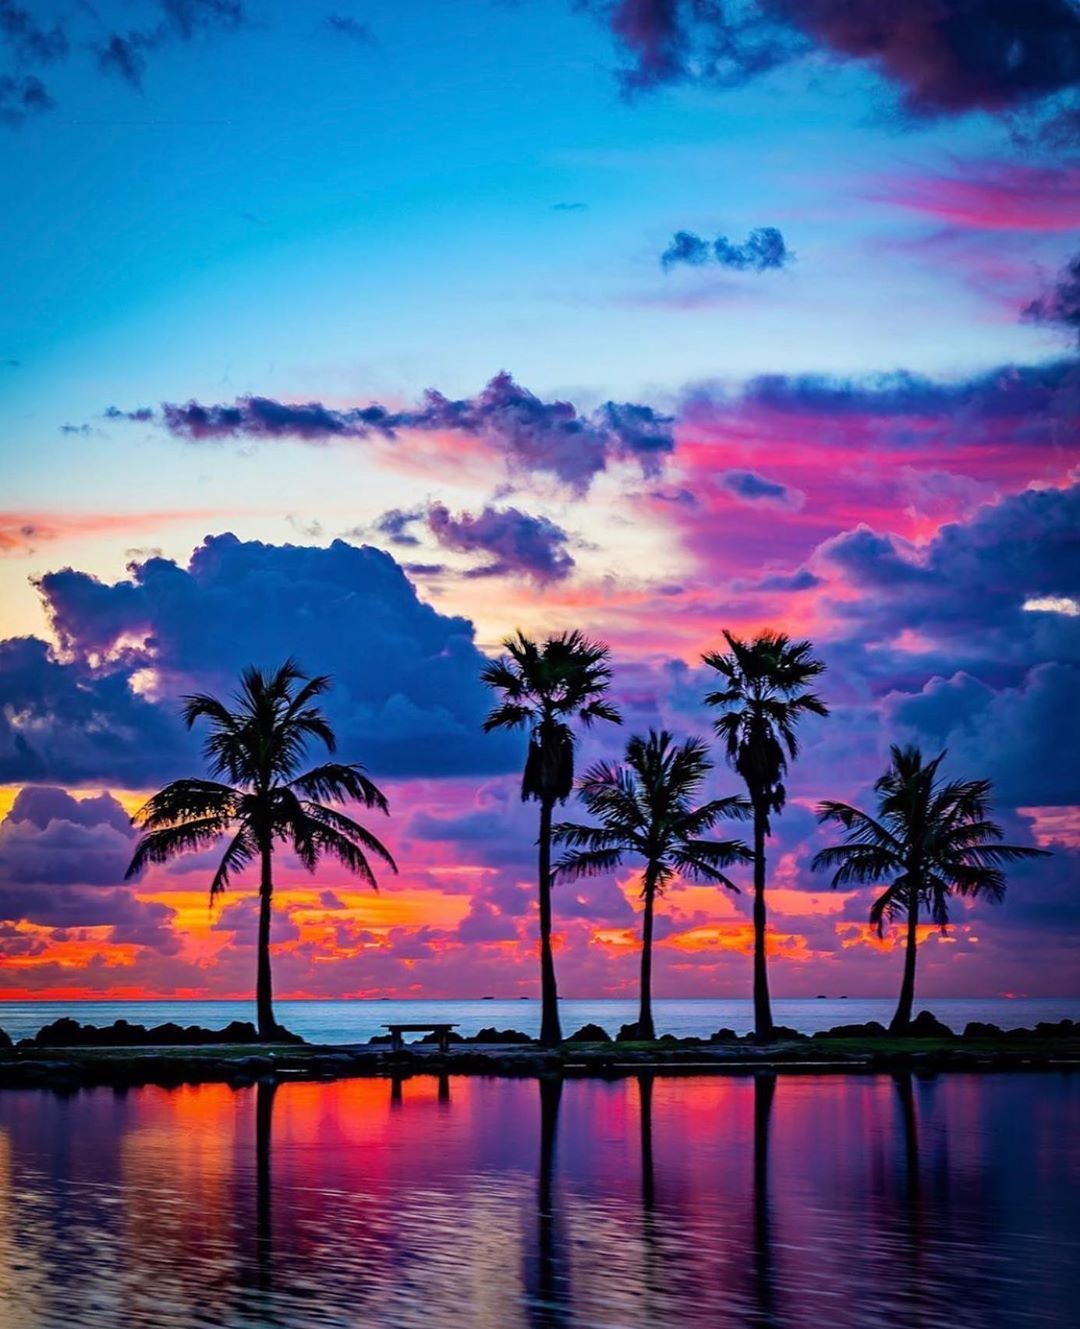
{"points": [[371, 333]]}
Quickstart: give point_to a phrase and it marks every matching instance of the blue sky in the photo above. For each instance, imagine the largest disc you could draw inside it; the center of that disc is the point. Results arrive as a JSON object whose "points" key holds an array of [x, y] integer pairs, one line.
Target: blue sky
{"points": [[353, 203]]}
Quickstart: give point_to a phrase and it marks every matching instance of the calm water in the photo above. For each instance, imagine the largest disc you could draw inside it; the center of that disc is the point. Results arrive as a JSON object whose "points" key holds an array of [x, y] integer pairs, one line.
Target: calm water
{"points": [[794, 1202], [356, 1021]]}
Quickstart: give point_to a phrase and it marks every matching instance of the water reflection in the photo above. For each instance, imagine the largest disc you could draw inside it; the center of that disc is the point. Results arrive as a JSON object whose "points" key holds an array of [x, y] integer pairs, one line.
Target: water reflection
{"points": [[508, 1204]]}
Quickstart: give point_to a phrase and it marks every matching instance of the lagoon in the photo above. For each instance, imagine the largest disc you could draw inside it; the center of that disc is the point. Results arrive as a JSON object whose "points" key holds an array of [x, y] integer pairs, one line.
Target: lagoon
{"points": [[794, 1202]]}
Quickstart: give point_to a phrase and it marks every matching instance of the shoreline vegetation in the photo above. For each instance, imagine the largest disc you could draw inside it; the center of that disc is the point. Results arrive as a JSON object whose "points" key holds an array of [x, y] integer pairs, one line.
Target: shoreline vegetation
{"points": [[67, 1056]]}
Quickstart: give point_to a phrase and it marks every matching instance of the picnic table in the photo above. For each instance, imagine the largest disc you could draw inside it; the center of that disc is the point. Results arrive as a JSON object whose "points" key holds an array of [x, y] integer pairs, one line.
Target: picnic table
{"points": [[442, 1031]]}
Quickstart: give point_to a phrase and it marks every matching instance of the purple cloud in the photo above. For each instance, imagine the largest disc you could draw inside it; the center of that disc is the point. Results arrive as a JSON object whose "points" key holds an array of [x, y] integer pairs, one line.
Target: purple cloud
{"points": [[1060, 306], [517, 543], [750, 487], [764, 249], [407, 698], [532, 435], [945, 57]]}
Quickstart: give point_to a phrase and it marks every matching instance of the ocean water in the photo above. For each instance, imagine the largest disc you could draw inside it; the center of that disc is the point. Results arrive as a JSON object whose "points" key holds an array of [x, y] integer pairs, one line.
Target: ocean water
{"points": [[357, 1021], [856, 1202]]}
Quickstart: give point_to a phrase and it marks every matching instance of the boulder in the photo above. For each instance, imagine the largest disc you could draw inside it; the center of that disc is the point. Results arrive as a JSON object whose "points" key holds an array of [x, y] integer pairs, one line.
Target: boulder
{"points": [[976, 1029], [782, 1032], [589, 1033], [66, 1032], [724, 1036], [489, 1034], [926, 1025], [872, 1029], [628, 1033], [5, 1039]]}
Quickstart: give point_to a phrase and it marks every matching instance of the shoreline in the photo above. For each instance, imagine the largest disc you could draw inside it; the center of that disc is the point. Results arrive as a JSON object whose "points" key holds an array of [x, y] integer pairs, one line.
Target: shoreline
{"points": [[68, 1069]]}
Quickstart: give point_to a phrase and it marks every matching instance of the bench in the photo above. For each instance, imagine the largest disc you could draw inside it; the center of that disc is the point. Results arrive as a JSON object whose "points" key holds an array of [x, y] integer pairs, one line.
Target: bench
{"points": [[442, 1032]]}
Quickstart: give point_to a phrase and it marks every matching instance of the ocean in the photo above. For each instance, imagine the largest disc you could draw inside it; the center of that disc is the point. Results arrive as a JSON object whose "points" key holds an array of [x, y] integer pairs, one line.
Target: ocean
{"points": [[357, 1021]]}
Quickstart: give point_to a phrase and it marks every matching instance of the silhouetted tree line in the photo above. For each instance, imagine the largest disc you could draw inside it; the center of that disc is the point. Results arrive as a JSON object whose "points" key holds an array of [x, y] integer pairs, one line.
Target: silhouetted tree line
{"points": [[928, 839]]}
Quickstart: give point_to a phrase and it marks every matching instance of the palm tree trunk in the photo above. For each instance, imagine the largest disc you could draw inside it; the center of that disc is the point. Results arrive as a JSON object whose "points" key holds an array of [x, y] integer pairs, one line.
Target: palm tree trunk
{"points": [[264, 996], [646, 1028], [550, 1030], [902, 1018], [763, 1023]]}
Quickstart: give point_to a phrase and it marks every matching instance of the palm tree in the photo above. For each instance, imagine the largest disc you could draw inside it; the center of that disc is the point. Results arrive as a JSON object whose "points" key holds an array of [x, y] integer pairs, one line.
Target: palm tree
{"points": [[544, 689], [933, 839], [258, 746], [645, 808], [763, 698]]}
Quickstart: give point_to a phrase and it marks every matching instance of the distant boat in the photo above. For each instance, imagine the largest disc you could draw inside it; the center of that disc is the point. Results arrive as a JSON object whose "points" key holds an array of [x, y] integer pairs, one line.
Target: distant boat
{"points": [[487, 998], [822, 997]]}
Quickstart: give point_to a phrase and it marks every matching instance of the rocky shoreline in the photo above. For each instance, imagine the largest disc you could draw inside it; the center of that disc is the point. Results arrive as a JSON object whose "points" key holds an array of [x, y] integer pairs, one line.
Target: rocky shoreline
{"points": [[170, 1056]]}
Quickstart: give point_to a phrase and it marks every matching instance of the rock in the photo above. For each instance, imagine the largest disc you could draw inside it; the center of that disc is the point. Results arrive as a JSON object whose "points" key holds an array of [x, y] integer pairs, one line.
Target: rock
{"points": [[384, 1039], [66, 1032], [5, 1039], [451, 1037], [589, 1033], [976, 1029], [1062, 1029], [628, 1033], [724, 1036], [489, 1034], [872, 1029], [781, 1031], [926, 1025]]}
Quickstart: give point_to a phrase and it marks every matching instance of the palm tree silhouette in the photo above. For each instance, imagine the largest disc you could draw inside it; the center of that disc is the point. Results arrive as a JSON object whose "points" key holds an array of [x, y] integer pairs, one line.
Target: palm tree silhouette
{"points": [[645, 807], [763, 698], [544, 689], [258, 747], [933, 838]]}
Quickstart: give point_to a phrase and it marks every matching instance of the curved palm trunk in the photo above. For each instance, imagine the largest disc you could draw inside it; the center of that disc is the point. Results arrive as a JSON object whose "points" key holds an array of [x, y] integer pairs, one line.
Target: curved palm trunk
{"points": [[902, 1018], [264, 996], [763, 1022], [646, 1028], [550, 1030]]}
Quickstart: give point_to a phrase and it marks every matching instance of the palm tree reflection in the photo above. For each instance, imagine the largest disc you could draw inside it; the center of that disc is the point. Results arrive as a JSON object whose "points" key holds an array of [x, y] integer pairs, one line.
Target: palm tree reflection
{"points": [[648, 1179], [911, 1221], [546, 1281], [764, 1275], [264, 1227]]}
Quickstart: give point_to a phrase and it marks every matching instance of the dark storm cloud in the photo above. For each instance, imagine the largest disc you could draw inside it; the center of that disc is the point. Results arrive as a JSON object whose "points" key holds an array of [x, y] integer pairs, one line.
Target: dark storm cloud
{"points": [[407, 697], [944, 57], [517, 543], [532, 435], [764, 249], [1060, 306]]}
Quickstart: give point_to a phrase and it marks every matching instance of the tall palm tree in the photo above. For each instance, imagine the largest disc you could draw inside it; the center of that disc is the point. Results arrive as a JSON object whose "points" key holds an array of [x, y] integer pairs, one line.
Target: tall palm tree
{"points": [[258, 746], [645, 807], [933, 838], [545, 687], [763, 697]]}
